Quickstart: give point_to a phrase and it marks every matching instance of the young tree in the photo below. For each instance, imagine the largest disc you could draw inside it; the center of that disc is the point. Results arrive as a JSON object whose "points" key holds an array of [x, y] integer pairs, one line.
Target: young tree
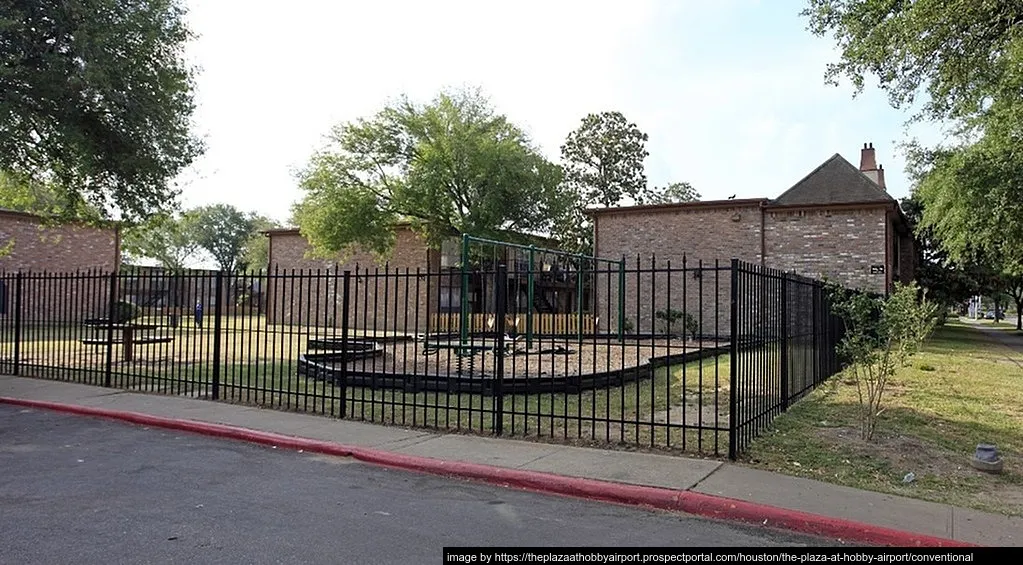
{"points": [[880, 334], [96, 100], [167, 239], [673, 193], [449, 167], [223, 231]]}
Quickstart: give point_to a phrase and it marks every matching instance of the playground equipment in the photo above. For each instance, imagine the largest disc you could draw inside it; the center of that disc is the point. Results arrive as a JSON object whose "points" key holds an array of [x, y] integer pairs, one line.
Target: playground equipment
{"points": [[555, 284]]}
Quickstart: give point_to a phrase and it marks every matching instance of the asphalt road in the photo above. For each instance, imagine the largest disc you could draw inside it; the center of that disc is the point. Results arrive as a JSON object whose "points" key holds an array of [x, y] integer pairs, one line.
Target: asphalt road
{"points": [[80, 490]]}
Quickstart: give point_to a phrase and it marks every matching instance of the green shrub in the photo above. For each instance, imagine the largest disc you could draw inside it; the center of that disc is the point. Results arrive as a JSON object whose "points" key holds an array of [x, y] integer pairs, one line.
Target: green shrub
{"points": [[125, 312], [672, 321]]}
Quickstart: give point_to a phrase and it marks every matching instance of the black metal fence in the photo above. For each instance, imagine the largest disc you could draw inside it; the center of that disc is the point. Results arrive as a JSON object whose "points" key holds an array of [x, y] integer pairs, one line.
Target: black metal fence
{"points": [[681, 357]]}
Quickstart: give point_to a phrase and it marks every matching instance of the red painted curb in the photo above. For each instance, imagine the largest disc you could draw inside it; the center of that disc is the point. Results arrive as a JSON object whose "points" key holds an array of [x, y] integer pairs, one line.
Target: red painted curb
{"points": [[690, 502]]}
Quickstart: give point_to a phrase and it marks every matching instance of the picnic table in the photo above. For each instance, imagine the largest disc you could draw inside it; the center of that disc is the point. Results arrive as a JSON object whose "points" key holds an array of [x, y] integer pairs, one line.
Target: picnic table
{"points": [[131, 334]]}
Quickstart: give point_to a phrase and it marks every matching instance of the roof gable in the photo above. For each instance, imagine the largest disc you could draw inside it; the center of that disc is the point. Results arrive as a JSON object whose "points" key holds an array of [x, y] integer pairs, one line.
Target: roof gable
{"points": [[835, 181]]}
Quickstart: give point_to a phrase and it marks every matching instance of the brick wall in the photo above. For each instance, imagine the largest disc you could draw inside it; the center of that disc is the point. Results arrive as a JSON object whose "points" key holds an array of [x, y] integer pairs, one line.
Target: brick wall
{"points": [[55, 248], [840, 244], [710, 233], [58, 250], [306, 291]]}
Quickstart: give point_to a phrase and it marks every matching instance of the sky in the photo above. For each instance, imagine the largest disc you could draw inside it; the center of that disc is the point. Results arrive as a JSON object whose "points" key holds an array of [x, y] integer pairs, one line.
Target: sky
{"points": [[730, 92]]}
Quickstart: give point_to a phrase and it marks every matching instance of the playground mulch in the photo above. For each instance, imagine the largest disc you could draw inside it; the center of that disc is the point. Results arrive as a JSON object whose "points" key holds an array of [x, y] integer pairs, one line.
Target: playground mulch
{"points": [[542, 358]]}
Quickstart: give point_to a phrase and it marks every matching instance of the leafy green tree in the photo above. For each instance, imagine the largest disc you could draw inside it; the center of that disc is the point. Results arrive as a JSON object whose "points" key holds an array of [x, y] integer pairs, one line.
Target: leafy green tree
{"points": [[256, 254], [948, 282], [46, 200], [223, 231], [973, 204], [603, 159], [96, 100], [966, 58], [169, 240], [964, 55], [603, 164], [673, 193], [449, 167]]}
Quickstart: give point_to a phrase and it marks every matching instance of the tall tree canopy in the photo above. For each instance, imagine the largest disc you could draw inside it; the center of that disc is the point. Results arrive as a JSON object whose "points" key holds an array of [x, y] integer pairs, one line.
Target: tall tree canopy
{"points": [[47, 200], [449, 167], [603, 162], [948, 282], [672, 193], [223, 231], [603, 159], [167, 239], [973, 204], [965, 55], [96, 99]]}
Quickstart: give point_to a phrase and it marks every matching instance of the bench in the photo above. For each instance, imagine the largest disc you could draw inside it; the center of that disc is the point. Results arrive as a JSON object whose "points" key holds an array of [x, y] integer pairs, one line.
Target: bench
{"points": [[129, 337], [136, 341]]}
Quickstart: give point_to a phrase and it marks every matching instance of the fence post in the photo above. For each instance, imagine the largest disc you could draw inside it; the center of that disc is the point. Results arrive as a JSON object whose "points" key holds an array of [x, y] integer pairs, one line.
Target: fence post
{"points": [[346, 287], [815, 342], [784, 342], [501, 297], [733, 420], [530, 290], [108, 371], [621, 301], [463, 311], [218, 310], [17, 323]]}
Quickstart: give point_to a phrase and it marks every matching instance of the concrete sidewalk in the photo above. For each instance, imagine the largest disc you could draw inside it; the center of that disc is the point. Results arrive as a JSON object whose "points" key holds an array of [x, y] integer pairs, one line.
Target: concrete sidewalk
{"points": [[767, 492]]}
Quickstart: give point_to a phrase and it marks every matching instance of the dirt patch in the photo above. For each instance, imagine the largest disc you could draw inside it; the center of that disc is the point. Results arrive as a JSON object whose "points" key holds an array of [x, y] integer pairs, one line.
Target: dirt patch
{"points": [[947, 474]]}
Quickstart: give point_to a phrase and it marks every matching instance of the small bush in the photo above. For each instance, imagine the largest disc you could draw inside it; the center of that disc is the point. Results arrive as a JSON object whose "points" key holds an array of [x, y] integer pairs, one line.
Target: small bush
{"points": [[125, 312], [628, 326], [925, 367], [671, 321]]}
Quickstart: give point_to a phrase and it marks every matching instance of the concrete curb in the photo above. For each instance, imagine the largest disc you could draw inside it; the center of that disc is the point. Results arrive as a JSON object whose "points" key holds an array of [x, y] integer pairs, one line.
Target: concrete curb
{"points": [[689, 502]]}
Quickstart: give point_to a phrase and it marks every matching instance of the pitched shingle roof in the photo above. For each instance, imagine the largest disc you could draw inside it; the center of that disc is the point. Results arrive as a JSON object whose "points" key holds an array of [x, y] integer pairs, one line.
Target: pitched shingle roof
{"points": [[835, 181]]}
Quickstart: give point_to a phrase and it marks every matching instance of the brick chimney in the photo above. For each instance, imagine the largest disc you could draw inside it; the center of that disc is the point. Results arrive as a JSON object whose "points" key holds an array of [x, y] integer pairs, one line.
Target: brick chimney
{"points": [[869, 166]]}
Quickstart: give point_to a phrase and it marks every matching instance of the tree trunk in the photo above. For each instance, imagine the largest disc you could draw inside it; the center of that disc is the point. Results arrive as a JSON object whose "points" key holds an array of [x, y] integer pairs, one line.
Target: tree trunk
{"points": [[1017, 297]]}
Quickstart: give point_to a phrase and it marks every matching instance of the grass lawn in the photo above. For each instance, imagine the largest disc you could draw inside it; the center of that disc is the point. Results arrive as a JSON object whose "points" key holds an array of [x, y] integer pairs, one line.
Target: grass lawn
{"points": [[964, 388]]}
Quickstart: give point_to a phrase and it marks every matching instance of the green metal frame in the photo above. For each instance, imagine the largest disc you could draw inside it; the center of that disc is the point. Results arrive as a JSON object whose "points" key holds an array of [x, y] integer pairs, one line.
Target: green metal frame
{"points": [[467, 240]]}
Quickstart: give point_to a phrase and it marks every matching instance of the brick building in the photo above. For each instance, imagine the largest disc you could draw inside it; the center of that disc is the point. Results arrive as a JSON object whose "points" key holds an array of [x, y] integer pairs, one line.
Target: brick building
{"points": [[837, 222], [296, 294], [415, 288], [32, 246]]}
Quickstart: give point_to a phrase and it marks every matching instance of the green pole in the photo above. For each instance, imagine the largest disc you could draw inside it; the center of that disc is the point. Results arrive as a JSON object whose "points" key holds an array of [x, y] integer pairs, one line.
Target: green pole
{"points": [[529, 297], [463, 324], [621, 300]]}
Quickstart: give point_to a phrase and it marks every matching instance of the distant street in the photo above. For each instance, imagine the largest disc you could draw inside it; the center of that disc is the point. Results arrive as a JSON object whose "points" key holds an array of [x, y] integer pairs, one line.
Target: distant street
{"points": [[82, 490]]}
